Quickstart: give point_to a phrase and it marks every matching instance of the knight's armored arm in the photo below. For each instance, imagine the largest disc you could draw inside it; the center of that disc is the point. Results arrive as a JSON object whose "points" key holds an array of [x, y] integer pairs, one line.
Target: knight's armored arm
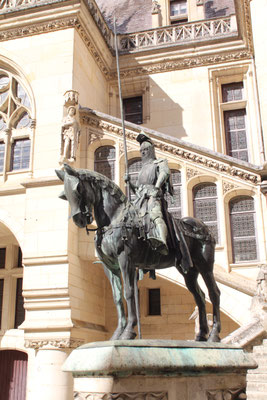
{"points": [[127, 179], [164, 173]]}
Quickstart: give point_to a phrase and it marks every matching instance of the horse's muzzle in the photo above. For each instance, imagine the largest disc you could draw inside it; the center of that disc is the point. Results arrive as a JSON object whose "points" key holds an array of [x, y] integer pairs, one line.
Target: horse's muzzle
{"points": [[81, 220]]}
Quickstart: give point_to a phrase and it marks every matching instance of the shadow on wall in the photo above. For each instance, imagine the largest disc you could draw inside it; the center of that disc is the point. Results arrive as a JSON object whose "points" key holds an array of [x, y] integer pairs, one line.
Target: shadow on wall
{"points": [[165, 115], [219, 8]]}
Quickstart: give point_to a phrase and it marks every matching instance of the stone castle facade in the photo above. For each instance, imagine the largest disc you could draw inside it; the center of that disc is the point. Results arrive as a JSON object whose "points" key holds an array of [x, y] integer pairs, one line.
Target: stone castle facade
{"points": [[193, 77]]}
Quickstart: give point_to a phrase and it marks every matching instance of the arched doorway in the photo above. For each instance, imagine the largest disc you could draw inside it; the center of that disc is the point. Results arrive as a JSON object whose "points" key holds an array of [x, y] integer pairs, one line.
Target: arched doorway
{"points": [[13, 374]]}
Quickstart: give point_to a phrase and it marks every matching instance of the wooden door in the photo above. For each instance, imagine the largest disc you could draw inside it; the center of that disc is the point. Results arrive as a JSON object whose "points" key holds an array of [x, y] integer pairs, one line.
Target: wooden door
{"points": [[13, 375]]}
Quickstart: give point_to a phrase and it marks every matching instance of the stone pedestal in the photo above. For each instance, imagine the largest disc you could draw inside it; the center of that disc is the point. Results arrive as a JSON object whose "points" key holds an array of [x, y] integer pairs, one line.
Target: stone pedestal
{"points": [[159, 370]]}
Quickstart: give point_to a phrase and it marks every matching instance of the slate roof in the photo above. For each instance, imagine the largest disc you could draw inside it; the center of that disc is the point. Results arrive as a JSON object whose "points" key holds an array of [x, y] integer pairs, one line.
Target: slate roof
{"points": [[135, 15]]}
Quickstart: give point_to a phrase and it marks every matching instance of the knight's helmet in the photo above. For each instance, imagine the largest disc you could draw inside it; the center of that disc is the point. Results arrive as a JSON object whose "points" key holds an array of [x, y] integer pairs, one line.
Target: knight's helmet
{"points": [[144, 140]]}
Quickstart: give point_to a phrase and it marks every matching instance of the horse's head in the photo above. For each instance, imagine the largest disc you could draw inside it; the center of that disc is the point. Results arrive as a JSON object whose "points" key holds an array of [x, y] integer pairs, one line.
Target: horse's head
{"points": [[81, 200]]}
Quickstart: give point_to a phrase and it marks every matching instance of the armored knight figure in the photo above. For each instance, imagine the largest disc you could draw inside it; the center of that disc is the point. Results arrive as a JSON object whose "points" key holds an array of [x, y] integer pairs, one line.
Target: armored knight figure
{"points": [[153, 181]]}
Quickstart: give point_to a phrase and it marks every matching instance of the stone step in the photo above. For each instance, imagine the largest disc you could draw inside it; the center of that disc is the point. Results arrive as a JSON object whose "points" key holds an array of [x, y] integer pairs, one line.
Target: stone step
{"points": [[261, 359], [258, 377], [256, 396], [260, 370], [260, 350], [259, 387]]}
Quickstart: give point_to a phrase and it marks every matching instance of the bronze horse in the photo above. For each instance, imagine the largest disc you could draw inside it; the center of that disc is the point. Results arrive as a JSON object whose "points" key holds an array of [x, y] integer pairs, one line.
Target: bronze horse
{"points": [[122, 248]]}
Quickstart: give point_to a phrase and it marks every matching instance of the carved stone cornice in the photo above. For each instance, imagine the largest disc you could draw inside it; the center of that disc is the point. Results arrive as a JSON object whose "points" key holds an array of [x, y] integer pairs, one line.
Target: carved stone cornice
{"points": [[89, 42], [198, 159], [53, 343], [190, 62], [38, 28], [248, 25], [121, 396]]}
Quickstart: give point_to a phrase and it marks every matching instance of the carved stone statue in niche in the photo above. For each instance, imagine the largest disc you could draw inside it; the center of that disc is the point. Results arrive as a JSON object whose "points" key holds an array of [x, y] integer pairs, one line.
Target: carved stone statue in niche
{"points": [[70, 135]]}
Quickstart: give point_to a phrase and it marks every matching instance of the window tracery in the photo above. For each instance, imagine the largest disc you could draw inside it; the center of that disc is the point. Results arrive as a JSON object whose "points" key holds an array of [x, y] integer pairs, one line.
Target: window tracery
{"points": [[15, 124]]}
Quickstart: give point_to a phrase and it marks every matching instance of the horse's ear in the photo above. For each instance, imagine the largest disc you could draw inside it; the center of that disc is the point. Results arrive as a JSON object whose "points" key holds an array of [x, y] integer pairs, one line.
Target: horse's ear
{"points": [[62, 196], [71, 171], [60, 174]]}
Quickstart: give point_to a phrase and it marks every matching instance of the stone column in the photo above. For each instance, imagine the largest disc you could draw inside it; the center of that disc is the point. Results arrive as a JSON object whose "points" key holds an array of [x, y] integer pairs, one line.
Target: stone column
{"points": [[48, 381]]}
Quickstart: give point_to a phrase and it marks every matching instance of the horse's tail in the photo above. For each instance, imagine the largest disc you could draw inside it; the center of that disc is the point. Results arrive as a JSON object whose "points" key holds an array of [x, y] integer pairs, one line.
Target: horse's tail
{"points": [[137, 308]]}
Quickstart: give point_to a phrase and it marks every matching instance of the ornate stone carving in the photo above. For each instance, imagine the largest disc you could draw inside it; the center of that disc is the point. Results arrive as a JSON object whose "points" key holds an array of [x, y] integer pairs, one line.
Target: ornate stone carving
{"points": [[70, 135], [53, 343], [121, 396], [190, 173], [171, 36], [172, 149], [227, 394], [92, 137], [91, 47], [227, 186], [71, 98], [35, 29], [155, 7], [185, 63]]}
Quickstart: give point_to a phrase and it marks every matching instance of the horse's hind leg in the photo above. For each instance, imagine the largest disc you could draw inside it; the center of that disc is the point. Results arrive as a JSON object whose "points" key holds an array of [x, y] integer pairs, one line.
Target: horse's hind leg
{"points": [[214, 295], [116, 285], [199, 296]]}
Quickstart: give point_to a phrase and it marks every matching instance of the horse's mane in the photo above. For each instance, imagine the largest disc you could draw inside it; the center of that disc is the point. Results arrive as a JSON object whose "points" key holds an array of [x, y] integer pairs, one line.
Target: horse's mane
{"points": [[106, 183]]}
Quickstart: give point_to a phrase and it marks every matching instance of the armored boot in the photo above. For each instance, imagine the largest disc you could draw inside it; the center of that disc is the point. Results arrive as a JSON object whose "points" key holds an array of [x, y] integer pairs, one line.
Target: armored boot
{"points": [[160, 241]]}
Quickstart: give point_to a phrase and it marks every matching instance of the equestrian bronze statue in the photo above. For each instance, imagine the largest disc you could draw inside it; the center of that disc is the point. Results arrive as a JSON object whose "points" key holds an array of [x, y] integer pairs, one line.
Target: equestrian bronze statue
{"points": [[139, 237]]}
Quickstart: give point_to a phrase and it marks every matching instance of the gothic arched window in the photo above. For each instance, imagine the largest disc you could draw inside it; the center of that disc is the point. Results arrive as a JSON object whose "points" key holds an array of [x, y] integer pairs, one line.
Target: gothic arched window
{"points": [[243, 229], [15, 124], [105, 157], [205, 206], [175, 203]]}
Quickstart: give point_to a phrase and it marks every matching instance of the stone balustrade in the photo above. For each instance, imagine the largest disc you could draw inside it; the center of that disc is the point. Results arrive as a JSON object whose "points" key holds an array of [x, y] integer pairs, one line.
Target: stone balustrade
{"points": [[179, 34]]}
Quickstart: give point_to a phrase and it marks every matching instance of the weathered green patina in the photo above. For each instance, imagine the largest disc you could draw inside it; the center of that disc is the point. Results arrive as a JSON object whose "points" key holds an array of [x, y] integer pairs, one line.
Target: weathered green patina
{"points": [[124, 358]]}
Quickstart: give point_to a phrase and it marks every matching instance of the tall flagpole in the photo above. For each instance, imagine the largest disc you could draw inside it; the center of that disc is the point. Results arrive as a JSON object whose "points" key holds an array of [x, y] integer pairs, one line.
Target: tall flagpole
{"points": [[121, 106]]}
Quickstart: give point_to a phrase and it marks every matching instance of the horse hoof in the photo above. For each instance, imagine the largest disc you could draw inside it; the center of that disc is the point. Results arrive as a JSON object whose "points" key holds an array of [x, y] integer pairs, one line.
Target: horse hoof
{"points": [[117, 334], [128, 335], [201, 338], [214, 338]]}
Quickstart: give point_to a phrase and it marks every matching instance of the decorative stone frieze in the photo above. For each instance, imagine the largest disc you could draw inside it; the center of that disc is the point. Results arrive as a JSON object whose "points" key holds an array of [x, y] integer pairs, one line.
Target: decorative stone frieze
{"points": [[227, 394], [92, 137], [155, 7], [36, 29], [53, 343], [198, 159], [191, 173], [121, 396], [191, 62], [227, 186]]}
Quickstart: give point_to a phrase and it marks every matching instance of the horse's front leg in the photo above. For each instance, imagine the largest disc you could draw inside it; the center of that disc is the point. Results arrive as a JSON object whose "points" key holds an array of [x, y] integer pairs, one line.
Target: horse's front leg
{"points": [[115, 281], [128, 273]]}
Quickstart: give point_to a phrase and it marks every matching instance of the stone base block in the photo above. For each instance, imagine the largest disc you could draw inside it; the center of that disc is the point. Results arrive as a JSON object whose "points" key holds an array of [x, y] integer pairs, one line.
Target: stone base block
{"points": [[159, 370]]}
